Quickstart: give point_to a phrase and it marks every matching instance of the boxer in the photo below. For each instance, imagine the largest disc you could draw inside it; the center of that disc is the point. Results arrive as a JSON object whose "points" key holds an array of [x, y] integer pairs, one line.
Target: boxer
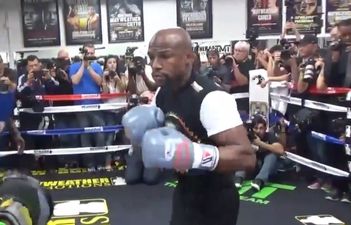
{"points": [[193, 127]]}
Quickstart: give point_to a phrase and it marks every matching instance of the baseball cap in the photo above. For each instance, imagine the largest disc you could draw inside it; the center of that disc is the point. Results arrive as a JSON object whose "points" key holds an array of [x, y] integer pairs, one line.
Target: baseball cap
{"points": [[309, 39]]}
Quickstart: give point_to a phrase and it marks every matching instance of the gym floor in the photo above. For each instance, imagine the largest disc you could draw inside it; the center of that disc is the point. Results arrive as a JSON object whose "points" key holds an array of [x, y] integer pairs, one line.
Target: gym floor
{"points": [[278, 203]]}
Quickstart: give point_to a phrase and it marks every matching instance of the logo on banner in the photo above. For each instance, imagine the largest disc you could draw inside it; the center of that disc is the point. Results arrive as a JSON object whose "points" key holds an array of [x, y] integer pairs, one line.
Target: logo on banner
{"points": [[80, 212], [249, 194]]}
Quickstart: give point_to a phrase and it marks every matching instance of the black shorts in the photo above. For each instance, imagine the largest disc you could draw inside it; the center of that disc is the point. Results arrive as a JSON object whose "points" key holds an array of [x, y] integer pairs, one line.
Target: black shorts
{"points": [[205, 200]]}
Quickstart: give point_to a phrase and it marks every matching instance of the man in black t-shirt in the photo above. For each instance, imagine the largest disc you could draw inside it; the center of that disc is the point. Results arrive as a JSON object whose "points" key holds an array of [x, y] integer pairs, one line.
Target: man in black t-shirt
{"points": [[204, 139], [268, 151]]}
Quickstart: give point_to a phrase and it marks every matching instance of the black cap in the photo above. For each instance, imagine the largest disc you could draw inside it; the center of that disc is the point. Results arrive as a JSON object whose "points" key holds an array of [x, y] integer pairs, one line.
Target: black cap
{"points": [[309, 39]]}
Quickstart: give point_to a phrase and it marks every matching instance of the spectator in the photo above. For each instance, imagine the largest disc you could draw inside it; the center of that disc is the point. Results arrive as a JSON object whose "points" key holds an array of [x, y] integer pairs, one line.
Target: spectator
{"points": [[86, 77], [220, 73], [269, 149], [338, 74], [139, 75], [312, 74], [242, 64], [65, 120], [36, 81], [113, 82]]}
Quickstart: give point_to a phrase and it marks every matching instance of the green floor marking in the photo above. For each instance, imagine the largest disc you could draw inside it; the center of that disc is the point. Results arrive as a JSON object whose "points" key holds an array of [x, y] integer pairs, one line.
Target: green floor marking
{"points": [[264, 193], [282, 186], [244, 189]]}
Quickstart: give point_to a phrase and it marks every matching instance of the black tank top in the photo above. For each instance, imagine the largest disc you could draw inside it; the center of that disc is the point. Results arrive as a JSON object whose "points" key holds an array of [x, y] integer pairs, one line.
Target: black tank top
{"points": [[182, 110]]}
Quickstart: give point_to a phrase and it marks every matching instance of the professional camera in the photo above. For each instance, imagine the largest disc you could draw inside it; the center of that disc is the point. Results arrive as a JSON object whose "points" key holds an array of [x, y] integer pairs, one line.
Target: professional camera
{"points": [[135, 64], [110, 76], [84, 52], [250, 129], [310, 70], [61, 67]]}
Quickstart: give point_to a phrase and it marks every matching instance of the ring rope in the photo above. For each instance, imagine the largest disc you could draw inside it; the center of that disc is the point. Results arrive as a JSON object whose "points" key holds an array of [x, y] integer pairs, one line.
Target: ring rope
{"points": [[327, 138], [64, 131], [76, 97], [76, 108], [316, 165], [70, 151]]}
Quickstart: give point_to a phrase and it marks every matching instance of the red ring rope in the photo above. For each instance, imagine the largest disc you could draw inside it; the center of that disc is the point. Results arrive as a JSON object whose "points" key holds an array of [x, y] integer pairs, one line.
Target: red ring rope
{"points": [[327, 91], [77, 97]]}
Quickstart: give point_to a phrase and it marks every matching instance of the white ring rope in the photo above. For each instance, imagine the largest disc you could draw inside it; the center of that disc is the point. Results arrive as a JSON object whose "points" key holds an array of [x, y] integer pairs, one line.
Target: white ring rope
{"points": [[77, 108], [70, 151]]}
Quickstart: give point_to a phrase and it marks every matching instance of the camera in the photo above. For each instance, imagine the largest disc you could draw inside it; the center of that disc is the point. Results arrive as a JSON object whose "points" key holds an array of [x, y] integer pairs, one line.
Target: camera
{"points": [[84, 52], [135, 64], [250, 130], [110, 76], [310, 70]]}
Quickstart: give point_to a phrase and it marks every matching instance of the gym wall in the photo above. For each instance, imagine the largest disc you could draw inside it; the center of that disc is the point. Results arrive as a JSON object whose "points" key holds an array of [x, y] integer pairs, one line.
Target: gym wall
{"points": [[229, 23]]}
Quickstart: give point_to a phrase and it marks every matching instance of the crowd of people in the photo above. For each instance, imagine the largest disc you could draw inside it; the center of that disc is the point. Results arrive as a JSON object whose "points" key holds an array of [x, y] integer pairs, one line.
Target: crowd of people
{"points": [[299, 61]]}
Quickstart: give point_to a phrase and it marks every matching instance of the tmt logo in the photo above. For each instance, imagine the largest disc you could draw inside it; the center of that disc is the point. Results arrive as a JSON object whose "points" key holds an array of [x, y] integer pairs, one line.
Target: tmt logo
{"points": [[249, 194]]}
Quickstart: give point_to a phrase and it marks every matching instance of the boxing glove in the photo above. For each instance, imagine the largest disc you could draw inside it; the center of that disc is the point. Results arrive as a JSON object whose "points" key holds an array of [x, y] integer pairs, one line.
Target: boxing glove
{"points": [[140, 119], [167, 148], [20, 194]]}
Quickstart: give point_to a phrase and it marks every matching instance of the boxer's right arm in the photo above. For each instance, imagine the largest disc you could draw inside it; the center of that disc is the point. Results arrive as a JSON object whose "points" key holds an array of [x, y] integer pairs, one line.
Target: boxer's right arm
{"points": [[140, 119]]}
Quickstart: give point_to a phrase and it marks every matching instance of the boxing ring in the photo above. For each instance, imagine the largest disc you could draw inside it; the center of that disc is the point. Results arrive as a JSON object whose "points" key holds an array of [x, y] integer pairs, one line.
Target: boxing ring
{"points": [[102, 197]]}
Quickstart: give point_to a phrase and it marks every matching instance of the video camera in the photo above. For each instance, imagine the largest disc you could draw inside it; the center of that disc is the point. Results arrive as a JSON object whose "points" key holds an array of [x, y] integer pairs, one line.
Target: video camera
{"points": [[84, 52], [135, 65], [248, 124]]}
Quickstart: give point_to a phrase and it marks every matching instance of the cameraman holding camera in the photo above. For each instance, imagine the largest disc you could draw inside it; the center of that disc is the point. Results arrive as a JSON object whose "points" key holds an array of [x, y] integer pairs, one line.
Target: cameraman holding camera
{"points": [[338, 74], [36, 81], [86, 78], [138, 72], [268, 151]]}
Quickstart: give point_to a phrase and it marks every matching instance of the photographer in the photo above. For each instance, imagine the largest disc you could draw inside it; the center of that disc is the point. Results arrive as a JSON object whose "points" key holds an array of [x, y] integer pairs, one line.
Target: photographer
{"points": [[241, 64], [280, 70], [138, 73], [86, 77], [60, 71], [338, 74], [312, 66], [113, 82], [269, 149], [36, 81], [221, 74]]}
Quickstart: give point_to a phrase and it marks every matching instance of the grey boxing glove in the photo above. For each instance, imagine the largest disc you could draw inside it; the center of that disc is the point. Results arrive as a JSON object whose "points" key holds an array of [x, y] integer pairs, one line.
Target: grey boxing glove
{"points": [[140, 119], [167, 148]]}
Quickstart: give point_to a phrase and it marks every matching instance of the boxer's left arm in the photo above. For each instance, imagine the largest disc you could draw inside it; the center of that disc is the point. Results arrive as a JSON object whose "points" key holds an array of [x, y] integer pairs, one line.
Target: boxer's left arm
{"points": [[221, 119]]}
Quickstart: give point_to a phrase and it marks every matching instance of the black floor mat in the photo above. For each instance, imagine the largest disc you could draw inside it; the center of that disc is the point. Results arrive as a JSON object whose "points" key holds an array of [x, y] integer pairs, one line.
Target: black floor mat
{"points": [[140, 204]]}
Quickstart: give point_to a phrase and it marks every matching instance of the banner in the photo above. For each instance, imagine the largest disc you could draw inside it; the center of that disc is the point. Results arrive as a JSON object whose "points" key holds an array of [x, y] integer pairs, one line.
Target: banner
{"points": [[335, 12], [195, 16], [82, 21], [40, 23], [306, 14], [125, 20], [264, 16]]}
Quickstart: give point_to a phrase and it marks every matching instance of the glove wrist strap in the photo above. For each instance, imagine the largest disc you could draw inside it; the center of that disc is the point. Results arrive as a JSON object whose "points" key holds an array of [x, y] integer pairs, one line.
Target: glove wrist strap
{"points": [[206, 157]]}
